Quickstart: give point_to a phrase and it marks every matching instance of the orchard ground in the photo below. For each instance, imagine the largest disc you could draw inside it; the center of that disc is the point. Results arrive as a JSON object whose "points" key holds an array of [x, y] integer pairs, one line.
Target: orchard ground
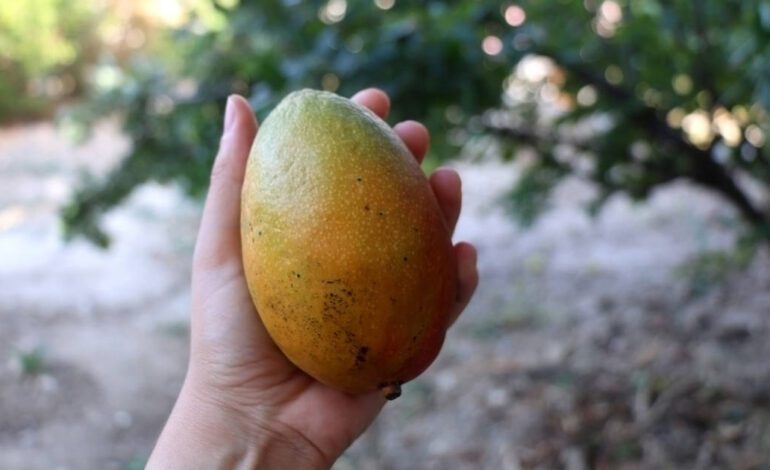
{"points": [[591, 343]]}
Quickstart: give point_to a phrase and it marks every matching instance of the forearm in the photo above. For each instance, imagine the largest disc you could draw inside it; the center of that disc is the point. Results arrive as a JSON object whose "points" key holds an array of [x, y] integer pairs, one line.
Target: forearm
{"points": [[203, 435]]}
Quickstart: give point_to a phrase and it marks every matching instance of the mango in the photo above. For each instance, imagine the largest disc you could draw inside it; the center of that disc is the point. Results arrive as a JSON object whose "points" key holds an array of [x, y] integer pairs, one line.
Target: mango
{"points": [[347, 257]]}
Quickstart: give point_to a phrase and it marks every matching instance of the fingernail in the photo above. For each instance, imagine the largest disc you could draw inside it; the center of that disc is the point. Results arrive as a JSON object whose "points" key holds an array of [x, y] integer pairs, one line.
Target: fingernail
{"points": [[229, 114]]}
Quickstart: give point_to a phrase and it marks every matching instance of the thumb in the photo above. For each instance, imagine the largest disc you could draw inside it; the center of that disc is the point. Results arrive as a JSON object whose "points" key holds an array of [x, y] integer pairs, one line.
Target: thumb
{"points": [[218, 241]]}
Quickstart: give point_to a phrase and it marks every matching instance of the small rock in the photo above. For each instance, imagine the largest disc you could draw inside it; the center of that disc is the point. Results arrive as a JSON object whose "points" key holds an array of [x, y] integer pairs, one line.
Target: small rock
{"points": [[570, 424], [573, 458], [737, 327], [730, 432], [446, 381], [497, 397], [48, 383], [122, 419], [438, 447], [28, 439]]}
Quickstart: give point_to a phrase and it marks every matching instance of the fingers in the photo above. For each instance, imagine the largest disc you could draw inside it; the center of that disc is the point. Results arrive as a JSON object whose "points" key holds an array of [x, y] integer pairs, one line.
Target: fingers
{"points": [[374, 99], [219, 235], [467, 277], [447, 187], [415, 136]]}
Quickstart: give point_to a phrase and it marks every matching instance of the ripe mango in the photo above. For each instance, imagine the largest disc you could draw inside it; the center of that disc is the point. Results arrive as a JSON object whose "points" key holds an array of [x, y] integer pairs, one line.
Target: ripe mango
{"points": [[346, 254]]}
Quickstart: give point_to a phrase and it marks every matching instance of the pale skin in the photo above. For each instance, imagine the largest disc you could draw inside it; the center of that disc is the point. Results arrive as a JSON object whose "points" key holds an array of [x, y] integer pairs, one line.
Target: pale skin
{"points": [[243, 404]]}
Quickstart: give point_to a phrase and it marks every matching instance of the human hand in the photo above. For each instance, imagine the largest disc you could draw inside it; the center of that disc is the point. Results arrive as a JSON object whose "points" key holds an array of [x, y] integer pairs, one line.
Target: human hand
{"points": [[243, 404]]}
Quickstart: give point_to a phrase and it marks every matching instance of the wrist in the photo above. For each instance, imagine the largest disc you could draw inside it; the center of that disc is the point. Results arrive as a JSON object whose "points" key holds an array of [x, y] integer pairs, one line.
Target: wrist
{"points": [[206, 433]]}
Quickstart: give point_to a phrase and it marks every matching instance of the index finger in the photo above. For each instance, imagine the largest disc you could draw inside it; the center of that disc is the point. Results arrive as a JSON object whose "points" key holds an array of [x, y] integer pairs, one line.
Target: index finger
{"points": [[414, 134], [374, 99]]}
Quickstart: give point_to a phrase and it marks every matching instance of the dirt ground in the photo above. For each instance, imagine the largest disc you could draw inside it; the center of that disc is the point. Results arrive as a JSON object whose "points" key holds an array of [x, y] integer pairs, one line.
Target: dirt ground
{"points": [[589, 344]]}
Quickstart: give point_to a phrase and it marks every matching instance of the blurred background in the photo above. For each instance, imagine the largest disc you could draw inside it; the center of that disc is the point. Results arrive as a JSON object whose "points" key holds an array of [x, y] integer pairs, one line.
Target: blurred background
{"points": [[616, 177]]}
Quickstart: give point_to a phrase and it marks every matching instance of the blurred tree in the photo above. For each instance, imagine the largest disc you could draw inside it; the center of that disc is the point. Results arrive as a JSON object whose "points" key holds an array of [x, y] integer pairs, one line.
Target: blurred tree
{"points": [[628, 94], [43, 46]]}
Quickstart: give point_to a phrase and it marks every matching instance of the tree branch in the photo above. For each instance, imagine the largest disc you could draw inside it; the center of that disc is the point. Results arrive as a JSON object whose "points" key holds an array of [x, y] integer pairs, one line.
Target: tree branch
{"points": [[703, 168], [531, 137]]}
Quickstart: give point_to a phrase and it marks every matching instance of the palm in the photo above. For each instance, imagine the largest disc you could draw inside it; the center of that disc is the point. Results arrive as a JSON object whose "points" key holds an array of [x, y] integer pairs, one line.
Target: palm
{"points": [[231, 350], [258, 376]]}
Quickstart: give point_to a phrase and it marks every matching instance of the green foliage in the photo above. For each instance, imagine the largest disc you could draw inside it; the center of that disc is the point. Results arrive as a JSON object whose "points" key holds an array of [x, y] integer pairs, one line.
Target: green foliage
{"points": [[136, 463], [173, 103], [33, 361], [627, 94], [42, 50], [530, 195], [712, 268]]}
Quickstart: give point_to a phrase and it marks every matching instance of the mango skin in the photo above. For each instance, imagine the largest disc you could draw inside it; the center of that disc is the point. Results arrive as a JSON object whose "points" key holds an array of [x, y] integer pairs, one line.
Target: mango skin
{"points": [[346, 254]]}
